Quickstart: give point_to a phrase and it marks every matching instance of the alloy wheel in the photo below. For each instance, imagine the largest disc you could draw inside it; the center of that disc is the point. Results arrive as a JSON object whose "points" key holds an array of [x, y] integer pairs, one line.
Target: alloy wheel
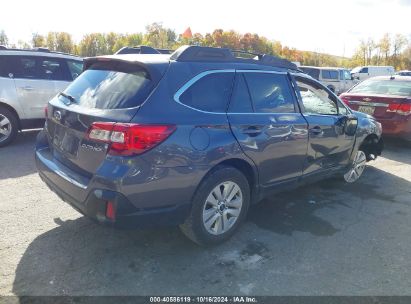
{"points": [[222, 208], [5, 128], [357, 167]]}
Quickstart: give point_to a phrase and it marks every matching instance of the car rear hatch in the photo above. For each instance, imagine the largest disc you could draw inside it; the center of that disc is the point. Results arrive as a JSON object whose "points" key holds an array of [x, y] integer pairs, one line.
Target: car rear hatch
{"points": [[110, 90], [384, 107], [381, 97]]}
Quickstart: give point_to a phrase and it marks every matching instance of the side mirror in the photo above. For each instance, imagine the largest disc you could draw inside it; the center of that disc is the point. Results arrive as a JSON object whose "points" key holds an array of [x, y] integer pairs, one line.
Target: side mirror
{"points": [[347, 125], [351, 125]]}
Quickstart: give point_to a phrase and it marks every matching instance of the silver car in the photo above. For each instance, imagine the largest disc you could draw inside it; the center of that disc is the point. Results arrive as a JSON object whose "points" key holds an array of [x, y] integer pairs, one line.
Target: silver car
{"points": [[28, 80]]}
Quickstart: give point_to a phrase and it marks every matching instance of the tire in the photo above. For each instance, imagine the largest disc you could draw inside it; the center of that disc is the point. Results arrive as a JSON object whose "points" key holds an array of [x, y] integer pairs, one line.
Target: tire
{"points": [[8, 126], [205, 224]]}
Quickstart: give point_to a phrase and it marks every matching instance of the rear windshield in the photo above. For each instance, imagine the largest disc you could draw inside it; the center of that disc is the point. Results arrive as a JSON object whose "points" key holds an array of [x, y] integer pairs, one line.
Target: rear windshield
{"points": [[384, 87], [110, 86]]}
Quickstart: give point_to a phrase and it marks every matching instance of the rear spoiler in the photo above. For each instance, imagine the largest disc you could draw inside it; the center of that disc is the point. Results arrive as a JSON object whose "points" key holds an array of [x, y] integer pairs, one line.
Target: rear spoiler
{"points": [[126, 66]]}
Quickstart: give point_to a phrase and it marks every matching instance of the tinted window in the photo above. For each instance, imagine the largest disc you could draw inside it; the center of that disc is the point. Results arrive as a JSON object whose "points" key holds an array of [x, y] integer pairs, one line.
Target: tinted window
{"points": [[314, 73], [240, 101], [316, 99], [75, 68], [24, 67], [210, 93], [329, 74], [5, 67], [104, 88], [384, 87], [364, 70], [270, 92], [53, 69]]}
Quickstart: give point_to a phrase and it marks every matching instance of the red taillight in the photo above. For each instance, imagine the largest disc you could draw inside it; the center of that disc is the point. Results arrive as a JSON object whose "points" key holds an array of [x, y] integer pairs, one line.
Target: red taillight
{"points": [[345, 100], [129, 139], [110, 211], [46, 112], [400, 108]]}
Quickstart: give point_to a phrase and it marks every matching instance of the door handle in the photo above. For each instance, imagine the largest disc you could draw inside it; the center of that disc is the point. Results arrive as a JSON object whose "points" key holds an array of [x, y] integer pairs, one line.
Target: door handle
{"points": [[316, 130], [27, 88], [252, 131]]}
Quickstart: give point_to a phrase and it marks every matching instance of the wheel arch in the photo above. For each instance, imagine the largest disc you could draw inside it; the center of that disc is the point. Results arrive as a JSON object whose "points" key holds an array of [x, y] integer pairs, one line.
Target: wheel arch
{"points": [[372, 145], [249, 171], [13, 110]]}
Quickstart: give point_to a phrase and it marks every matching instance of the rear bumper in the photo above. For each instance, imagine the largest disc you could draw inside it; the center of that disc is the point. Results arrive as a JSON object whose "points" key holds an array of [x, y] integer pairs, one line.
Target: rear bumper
{"points": [[399, 126], [133, 210]]}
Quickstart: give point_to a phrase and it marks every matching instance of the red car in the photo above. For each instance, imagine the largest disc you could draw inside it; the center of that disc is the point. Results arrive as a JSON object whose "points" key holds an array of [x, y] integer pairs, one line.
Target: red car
{"points": [[388, 99]]}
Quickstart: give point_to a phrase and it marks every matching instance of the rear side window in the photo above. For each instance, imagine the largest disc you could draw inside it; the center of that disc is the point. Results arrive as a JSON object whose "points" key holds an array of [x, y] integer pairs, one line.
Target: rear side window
{"points": [[314, 73], [329, 74], [111, 86], [5, 68], [270, 92], [24, 67], [241, 100], [210, 93]]}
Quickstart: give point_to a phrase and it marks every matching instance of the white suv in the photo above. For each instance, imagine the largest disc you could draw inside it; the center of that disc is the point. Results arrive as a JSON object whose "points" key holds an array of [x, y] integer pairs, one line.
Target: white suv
{"points": [[28, 80]]}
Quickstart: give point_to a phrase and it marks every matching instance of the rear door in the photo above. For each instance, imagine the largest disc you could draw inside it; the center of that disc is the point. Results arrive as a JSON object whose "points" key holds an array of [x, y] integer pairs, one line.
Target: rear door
{"points": [[265, 120], [328, 145], [34, 79], [108, 91]]}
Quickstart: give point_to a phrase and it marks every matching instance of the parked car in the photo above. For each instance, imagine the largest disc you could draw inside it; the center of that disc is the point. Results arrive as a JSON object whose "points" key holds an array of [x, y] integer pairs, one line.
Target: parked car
{"points": [[195, 138], [388, 99], [364, 72], [403, 73], [28, 80], [142, 49], [338, 80]]}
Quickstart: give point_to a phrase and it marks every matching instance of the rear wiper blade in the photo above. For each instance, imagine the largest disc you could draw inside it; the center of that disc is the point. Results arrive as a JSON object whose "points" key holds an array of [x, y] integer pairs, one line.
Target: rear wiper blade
{"points": [[69, 97]]}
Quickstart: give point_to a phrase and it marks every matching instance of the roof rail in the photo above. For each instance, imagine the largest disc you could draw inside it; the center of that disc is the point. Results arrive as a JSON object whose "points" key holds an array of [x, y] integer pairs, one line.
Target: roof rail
{"points": [[200, 53], [37, 49], [142, 49]]}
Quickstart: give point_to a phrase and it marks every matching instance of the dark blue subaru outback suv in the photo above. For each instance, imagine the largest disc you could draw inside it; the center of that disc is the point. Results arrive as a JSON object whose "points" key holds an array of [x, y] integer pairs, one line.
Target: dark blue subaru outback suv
{"points": [[194, 138]]}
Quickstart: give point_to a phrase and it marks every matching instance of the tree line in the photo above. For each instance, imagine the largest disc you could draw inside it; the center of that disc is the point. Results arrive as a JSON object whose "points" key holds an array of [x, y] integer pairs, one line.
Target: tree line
{"points": [[389, 50]]}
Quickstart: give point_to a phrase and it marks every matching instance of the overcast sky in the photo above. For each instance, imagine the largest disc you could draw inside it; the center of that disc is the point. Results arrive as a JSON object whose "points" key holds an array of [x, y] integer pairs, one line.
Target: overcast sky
{"points": [[331, 26]]}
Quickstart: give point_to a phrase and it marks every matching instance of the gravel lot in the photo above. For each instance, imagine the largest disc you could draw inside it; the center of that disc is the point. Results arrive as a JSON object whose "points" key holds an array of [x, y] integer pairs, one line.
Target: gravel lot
{"points": [[327, 238]]}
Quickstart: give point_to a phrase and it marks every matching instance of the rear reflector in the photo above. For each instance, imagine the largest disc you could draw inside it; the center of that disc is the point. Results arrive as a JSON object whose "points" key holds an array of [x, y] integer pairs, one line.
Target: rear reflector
{"points": [[129, 139], [110, 211], [400, 108]]}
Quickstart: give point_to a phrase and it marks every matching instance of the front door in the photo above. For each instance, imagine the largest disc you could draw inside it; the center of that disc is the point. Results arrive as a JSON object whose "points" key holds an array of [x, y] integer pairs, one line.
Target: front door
{"points": [[265, 120], [329, 145]]}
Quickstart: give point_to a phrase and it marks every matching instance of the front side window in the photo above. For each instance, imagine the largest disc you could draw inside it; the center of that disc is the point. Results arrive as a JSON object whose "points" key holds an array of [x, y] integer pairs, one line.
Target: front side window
{"points": [[270, 92], [364, 70], [52, 69], [347, 75], [210, 93], [75, 68], [316, 99]]}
